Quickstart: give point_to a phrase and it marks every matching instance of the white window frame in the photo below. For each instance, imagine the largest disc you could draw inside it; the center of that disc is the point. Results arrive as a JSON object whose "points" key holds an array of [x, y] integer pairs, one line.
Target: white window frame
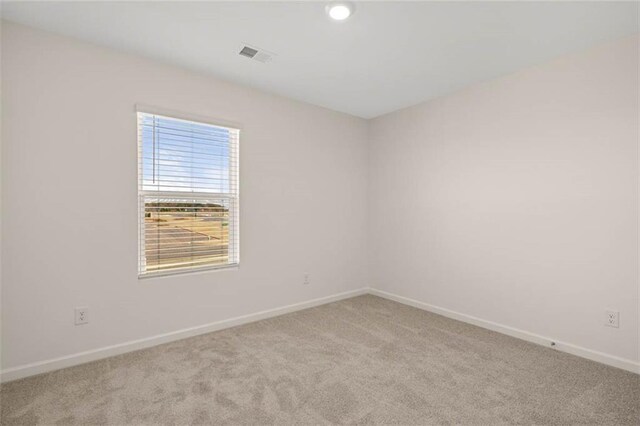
{"points": [[233, 198]]}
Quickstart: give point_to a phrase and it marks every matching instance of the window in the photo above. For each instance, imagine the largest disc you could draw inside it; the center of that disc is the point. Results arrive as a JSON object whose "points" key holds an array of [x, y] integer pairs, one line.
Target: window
{"points": [[188, 195]]}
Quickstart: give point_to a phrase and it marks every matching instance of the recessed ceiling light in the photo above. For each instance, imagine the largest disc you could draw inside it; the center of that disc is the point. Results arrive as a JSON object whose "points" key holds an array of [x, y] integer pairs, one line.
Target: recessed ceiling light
{"points": [[339, 11]]}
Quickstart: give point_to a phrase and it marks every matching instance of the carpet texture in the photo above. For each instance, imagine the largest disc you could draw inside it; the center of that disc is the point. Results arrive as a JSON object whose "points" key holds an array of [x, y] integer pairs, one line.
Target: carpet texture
{"points": [[364, 360]]}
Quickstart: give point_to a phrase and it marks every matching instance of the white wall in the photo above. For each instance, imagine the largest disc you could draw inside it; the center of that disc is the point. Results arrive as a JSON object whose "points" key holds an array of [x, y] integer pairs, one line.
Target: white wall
{"points": [[70, 189], [1, 199], [516, 201]]}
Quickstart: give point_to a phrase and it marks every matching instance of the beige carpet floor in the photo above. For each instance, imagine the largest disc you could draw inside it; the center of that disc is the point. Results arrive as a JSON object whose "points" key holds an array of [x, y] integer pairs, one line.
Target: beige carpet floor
{"points": [[364, 360]]}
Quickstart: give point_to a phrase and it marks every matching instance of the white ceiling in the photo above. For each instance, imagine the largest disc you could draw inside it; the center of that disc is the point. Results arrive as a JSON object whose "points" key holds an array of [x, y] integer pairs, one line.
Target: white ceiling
{"points": [[387, 56]]}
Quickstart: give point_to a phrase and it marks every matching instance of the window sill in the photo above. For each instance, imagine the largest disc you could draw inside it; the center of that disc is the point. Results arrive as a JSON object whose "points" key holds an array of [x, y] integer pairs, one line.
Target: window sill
{"points": [[189, 271]]}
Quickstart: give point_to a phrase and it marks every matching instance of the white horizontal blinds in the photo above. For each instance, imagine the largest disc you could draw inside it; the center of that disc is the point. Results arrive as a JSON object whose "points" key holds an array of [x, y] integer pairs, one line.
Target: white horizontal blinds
{"points": [[188, 191]]}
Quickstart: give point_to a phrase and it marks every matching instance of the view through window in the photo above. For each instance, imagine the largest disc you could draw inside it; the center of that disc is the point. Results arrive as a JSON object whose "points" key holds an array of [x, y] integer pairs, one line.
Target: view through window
{"points": [[188, 195]]}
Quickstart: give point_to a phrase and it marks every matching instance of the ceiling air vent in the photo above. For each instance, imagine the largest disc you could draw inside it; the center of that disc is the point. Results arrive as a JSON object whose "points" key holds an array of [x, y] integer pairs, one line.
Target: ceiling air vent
{"points": [[255, 53], [248, 52]]}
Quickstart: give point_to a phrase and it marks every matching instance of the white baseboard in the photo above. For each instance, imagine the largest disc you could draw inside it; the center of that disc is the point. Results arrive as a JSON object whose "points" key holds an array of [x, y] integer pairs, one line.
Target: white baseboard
{"points": [[105, 352], [592, 355], [134, 345]]}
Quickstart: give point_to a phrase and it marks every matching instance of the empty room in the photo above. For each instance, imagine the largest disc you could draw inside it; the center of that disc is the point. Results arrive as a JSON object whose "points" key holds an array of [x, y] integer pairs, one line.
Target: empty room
{"points": [[319, 212]]}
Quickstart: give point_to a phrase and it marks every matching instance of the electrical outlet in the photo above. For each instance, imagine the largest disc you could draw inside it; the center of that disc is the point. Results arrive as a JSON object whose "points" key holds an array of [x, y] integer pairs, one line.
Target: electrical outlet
{"points": [[612, 319], [306, 279], [82, 316]]}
